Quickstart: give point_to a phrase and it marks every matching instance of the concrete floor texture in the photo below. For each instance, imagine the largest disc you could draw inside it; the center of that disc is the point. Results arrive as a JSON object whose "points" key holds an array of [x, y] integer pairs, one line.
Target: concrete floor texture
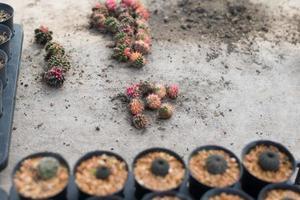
{"points": [[228, 97]]}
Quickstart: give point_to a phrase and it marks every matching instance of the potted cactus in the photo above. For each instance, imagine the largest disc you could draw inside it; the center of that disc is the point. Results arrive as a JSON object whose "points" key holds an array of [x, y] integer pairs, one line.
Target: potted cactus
{"points": [[5, 37], [212, 167], [166, 196], [100, 174], [157, 170], [7, 16], [265, 162], [42, 176], [280, 191], [225, 194], [3, 66]]}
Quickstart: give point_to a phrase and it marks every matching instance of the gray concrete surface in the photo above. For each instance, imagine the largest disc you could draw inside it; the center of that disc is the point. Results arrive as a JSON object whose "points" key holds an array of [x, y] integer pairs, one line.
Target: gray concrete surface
{"points": [[229, 99]]}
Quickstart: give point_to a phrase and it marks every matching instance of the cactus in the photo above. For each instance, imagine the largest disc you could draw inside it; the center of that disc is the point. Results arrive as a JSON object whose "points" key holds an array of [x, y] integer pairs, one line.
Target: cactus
{"points": [[122, 38], [111, 5], [146, 88], [126, 18], [54, 77], [112, 24], [100, 8], [216, 164], [54, 48], [126, 28], [166, 111], [160, 167], [160, 90], [153, 102], [59, 61], [121, 53], [269, 161], [136, 106], [140, 121], [47, 168], [142, 12], [43, 35], [141, 46], [137, 60], [97, 20], [102, 173], [172, 91], [133, 91], [144, 36]]}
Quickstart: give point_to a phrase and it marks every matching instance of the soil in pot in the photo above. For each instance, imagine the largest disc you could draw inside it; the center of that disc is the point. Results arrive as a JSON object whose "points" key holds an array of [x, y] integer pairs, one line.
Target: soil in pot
{"points": [[278, 194], [101, 175], [4, 15], [3, 37], [159, 171], [166, 198], [41, 178], [215, 168], [2, 63], [226, 196], [268, 163]]}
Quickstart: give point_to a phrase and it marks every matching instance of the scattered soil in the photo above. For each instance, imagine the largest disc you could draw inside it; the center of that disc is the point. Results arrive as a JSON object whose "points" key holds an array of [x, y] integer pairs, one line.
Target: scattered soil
{"points": [[30, 185], [4, 15], [251, 163], [3, 37], [145, 177], [282, 194], [166, 198], [88, 183], [198, 168], [225, 196]]}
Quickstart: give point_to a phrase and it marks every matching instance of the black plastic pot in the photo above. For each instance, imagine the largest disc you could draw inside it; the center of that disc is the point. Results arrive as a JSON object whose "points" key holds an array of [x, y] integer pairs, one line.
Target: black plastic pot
{"points": [[5, 46], [106, 198], [82, 195], [3, 77], [196, 188], [253, 185], [264, 192], [9, 22], [140, 190], [216, 192], [3, 195], [170, 193], [63, 194]]}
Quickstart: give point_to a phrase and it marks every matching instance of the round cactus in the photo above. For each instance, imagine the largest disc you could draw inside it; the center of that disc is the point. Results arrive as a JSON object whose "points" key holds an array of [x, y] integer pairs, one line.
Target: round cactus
{"points": [[54, 48], [160, 167], [111, 24], [146, 88], [97, 21], [100, 8], [269, 161], [102, 173], [140, 121], [47, 168], [136, 106], [142, 12], [111, 5], [172, 91], [137, 60], [216, 164], [141, 46], [126, 28], [122, 38], [166, 111], [160, 90], [59, 61], [133, 91], [43, 35], [54, 77], [121, 53], [153, 102], [126, 18]]}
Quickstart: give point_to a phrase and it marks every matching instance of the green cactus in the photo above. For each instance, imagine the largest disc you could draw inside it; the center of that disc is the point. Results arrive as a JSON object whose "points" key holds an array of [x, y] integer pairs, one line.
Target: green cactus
{"points": [[216, 164], [43, 35], [120, 53], [160, 167], [111, 24], [59, 61], [54, 77], [54, 48], [269, 161], [102, 172], [47, 168]]}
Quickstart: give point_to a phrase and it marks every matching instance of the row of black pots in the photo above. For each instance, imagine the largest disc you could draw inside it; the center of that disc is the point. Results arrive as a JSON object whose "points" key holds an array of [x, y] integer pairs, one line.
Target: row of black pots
{"points": [[3, 195], [247, 182]]}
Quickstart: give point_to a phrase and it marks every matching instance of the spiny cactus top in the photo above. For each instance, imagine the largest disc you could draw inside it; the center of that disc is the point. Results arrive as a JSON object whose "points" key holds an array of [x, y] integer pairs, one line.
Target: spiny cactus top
{"points": [[43, 35], [103, 172], [48, 167], [216, 164], [269, 161], [160, 167]]}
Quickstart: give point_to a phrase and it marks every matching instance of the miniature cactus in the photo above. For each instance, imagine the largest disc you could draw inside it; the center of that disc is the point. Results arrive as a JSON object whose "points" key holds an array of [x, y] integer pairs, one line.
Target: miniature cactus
{"points": [[136, 106], [129, 3], [54, 77], [43, 35], [47, 168], [121, 53], [97, 21], [160, 167], [59, 61], [111, 5], [142, 24], [54, 48], [172, 91], [141, 46], [216, 164], [102, 173], [146, 88], [160, 90], [137, 60], [133, 91], [100, 8], [269, 161], [111, 24], [144, 36], [166, 111], [122, 38], [126, 28], [153, 102], [126, 18], [142, 12], [140, 121]]}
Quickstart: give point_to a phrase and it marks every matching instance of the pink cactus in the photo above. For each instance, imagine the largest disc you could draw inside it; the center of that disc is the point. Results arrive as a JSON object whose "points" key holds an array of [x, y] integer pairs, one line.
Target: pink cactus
{"points": [[128, 3], [133, 91], [173, 91], [111, 5]]}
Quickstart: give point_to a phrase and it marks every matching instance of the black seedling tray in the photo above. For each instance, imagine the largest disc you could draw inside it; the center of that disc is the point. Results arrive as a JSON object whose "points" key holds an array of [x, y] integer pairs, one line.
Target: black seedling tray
{"points": [[9, 95]]}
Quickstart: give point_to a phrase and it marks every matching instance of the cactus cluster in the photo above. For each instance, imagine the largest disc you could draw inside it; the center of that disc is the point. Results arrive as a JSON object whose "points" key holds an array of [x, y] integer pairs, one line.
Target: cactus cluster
{"points": [[57, 61], [127, 21], [152, 96]]}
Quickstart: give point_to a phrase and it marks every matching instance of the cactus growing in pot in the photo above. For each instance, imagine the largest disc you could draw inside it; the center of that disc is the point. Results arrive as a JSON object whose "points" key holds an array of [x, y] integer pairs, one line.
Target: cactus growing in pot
{"points": [[54, 77], [47, 167], [43, 35], [59, 61]]}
